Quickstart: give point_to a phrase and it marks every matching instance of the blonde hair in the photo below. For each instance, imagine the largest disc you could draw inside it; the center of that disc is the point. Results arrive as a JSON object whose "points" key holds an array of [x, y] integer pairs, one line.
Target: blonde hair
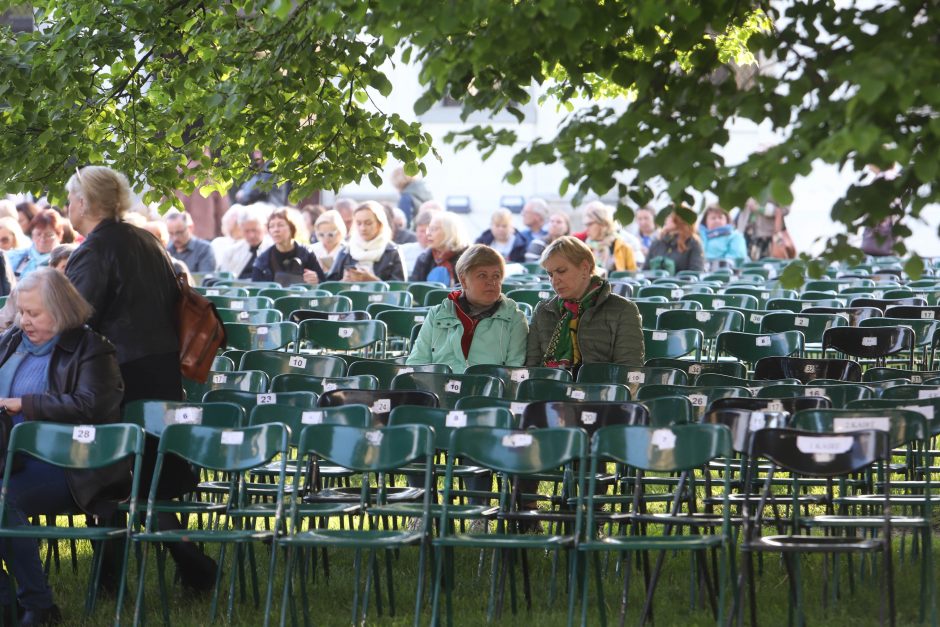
{"points": [[333, 218], [380, 215], [455, 233], [572, 249], [60, 299], [501, 215], [602, 214], [13, 226], [476, 256], [106, 192]]}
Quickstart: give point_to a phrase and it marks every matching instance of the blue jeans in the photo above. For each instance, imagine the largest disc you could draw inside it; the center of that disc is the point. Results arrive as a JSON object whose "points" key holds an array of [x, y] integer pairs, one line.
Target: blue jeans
{"points": [[39, 488]]}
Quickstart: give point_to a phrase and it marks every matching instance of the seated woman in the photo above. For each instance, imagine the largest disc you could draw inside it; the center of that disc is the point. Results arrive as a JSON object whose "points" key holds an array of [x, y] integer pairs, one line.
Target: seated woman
{"points": [[371, 255], [610, 250], [330, 231], [584, 322], [678, 248], [558, 225], [46, 230], [504, 238], [287, 261], [722, 241], [446, 242], [476, 324], [54, 368]]}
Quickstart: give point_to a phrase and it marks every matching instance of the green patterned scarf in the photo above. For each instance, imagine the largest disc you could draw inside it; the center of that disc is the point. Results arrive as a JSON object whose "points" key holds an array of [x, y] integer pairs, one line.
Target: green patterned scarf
{"points": [[561, 351]]}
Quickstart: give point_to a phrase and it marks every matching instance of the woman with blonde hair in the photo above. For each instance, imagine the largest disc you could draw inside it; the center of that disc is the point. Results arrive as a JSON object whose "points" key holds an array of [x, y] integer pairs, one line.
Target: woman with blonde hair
{"points": [[503, 237], [610, 250], [371, 254], [678, 247], [584, 322], [11, 235], [331, 233], [446, 243]]}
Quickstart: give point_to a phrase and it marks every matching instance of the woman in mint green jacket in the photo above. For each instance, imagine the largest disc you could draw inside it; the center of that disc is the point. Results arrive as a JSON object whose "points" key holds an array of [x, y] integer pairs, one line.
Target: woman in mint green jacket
{"points": [[475, 324]]}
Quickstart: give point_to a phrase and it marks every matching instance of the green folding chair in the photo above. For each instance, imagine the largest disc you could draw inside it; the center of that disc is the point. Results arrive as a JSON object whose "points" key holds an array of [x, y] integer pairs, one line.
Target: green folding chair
{"points": [[360, 299], [274, 363], [449, 388], [254, 316], [243, 303], [330, 304], [385, 371], [366, 337], [247, 380], [553, 390], [673, 344], [335, 287], [839, 394], [512, 376], [750, 347], [248, 337], [319, 385]]}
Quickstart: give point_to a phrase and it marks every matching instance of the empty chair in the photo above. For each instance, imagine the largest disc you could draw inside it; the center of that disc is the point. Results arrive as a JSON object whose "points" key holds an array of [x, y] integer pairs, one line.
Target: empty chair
{"points": [[551, 390], [331, 304], [589, 416], [884, 303], [381, 402], [807, 370], [695, 368], [366, 335], [318, 385], [249, 337], [299, 315], [791, 404], [512, 376], [274, 363], [811, 325], [673, 344], [853, 315], [385, 371], [875, 343], [449, 387], [750, 347]]}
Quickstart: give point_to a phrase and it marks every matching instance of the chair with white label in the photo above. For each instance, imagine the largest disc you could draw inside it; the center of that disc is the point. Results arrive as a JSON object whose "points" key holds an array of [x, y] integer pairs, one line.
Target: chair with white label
{"points": [[335, 287], [699, 396], [319, 385], [807, 370], [361, 300], [750, 347], [634, 377], [717, 301], [400, 324], [247, 380], [673, 344], [449, 388], [812, 326], [838, 393], [253, 316], [381, 401], [833, 458], [385, 371], [926, 336], [278, 362], [709, 322], [553, 390], [873, 344], [693, 369], [512, 376], [248, 337], [650, 309], [365, 338], [531, 296], [248, 400], [327, 304], [246, 303]]}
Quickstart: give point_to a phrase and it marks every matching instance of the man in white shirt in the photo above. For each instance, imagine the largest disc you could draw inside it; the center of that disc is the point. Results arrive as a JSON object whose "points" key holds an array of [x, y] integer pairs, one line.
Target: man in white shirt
{"points": [[240, 257]]}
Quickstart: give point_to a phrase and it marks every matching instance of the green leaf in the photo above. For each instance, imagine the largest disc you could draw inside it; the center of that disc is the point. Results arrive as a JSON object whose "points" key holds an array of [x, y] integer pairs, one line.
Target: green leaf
{"points": [[914, 267]]}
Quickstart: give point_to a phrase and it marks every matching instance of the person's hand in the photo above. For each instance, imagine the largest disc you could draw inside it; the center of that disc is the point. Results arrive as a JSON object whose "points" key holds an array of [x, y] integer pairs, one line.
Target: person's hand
{"points": [[311, 278], [11, 405], [359, 275]]}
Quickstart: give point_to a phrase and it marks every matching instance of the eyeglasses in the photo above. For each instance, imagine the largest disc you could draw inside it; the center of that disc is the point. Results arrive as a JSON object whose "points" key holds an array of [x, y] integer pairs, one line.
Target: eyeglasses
{"points": [[327, 234], [42, 236]]}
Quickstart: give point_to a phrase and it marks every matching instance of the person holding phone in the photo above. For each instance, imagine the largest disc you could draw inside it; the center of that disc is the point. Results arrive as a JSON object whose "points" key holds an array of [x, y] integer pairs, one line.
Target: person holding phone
{"points": [[287, 261], [371, 254]]}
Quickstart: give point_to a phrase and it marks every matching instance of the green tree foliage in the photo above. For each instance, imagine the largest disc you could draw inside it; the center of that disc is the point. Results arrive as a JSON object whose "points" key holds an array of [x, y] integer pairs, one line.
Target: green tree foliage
{"points": [[147, 85]]}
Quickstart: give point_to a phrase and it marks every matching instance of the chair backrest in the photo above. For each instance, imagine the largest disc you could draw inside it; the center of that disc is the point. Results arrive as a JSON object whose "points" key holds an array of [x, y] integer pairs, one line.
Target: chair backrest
{"points": [[710, 322], [552, 390], [400, 322], [672, 344], [328, 304], [248, 400], [669, 410], [226, 450], [74, 446], [254, 316], [367, 449], [650, 310], [298, 418], [853, 315], [884, 303], [245, 303], [361, 299], [335, 287], [717, 301], [589, 416], [517, 452], [750, 347], [249, 337], [512, 376], [812, 326], [247, 380], [790, 404], [381, 402], [444, 421], [742, 422], [449, 388], [695, 368], [925, 331], [530, 296], [318, 385], [904, 426], [662, 449], [820, 454], [870, 343], [806, 370], [913, 313], [279, 362], [713, 378], [912, 392], [386, 371], [299, 315], [912, 376], [838, 393], [435, 297], [343, 336], [221, 363], [155, 416]]}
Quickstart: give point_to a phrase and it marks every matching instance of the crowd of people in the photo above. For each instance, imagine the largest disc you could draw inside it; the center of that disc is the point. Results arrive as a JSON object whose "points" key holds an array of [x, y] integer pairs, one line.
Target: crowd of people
{"points": [[92, 327]]}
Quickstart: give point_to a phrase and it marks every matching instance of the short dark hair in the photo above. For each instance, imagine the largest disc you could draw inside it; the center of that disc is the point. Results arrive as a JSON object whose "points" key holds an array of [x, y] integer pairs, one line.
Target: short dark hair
{"points": [[47, 219]]}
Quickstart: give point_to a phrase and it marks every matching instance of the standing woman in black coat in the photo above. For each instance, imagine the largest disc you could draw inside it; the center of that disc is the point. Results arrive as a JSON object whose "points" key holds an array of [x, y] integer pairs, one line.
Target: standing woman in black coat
{"points": [[124, 274]]}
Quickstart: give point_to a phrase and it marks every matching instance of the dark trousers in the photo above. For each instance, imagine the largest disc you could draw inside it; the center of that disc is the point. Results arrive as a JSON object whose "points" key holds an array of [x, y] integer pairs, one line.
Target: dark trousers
{"points": [[39, 488]]}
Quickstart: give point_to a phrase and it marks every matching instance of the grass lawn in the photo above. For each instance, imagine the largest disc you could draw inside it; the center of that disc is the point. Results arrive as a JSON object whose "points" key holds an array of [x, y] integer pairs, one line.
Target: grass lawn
{"points": [[331, 600]]}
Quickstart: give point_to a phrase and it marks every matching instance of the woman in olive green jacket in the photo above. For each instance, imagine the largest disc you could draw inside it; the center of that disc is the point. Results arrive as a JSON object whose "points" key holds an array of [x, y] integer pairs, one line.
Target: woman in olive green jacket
{"points": [[476, 324], [584, 322]]}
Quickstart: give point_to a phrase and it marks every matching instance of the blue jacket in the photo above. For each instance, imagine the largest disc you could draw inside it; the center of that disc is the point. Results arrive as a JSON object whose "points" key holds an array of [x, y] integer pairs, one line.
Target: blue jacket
{"points": [[725, 243], [499, 339], [519, 245]]}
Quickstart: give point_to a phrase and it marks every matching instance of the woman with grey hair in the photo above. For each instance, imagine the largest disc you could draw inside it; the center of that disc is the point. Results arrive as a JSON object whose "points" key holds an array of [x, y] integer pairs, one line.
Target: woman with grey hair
{"points": [[53, 367], [476, 324], [446, 242]]}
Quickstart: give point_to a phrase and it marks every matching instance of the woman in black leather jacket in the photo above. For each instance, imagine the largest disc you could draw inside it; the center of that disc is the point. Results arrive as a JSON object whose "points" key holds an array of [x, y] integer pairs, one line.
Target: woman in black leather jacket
{"points": [[54, 368]]}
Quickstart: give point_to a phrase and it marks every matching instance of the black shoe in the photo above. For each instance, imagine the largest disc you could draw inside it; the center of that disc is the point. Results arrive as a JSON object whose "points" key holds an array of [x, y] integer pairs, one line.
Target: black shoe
{"points": [[197, 572], [45, 616]]}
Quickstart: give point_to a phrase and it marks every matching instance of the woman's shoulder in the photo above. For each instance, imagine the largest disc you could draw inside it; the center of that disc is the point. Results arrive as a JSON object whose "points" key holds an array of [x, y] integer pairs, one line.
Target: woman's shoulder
{"points": [[85, 339]]}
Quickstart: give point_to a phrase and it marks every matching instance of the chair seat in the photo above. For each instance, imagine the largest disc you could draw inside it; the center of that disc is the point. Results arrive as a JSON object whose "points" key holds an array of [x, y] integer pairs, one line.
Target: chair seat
{"points": [[51, 532], [352, 494], [808, 543], [652, 543], [350, 538], [204, 535], [504, 541], [908, 522]]}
